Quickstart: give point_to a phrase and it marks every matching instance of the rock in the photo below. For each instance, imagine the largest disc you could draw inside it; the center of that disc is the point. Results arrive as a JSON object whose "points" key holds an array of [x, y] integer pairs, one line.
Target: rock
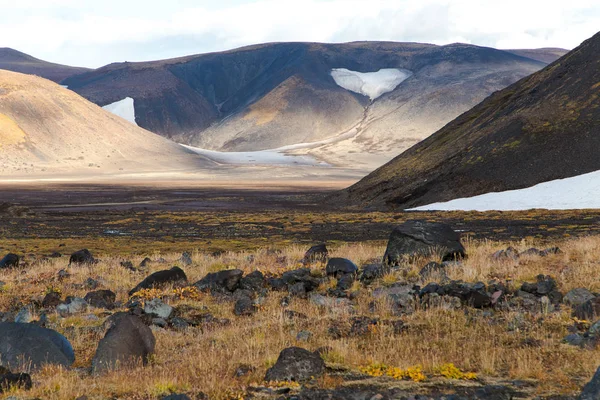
{"points": [[574, 339], [157, 308], [127, 342], [362, 326], [63, 274], [33, 344], [340, 266], [101, 299], [186, 259], [303, 336], [345, 282], [423, 238], [401, 297], [179, 323], [318, 253], [17, 381], [370, 272], [589, 311], [55, 254], [244, 306], [509, 254], [9, 261], [243, 370], [301, 275], [591, 391], [73, 305], [82, 257], [145, 262], [51, 300], [254, 281], [277, 284], [128, 265], [577, 297], [160, 279], [176, 397], [24, 316], [222, 281], [337, 305], [160, 322], [533, 252], [545, 285], [296, 364], [433, 270]]}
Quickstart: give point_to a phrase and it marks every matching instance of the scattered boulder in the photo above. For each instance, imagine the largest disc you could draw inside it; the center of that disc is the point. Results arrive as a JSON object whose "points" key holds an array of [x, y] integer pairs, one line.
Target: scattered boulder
{"points": [[254, 281], [51, 300], [127, 342], [318, 253], [423, 238], [73, 305], [345, 282], [157, 308], [509, 254], [222, 281], [24, 316], [82, 257], [160, 279], [591, 391], [340, 266], [128, 265], [26, 347], [17, 381], [589, 311], [243, 370], [10, 261], [244, 306], [369, 273], [101, 299], [401, 298], [296, 364], [577, 297], [302, 275]]}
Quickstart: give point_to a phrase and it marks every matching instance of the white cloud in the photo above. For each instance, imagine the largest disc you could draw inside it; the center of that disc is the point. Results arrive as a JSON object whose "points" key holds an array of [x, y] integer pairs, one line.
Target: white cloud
{"points": [[93, 33]]}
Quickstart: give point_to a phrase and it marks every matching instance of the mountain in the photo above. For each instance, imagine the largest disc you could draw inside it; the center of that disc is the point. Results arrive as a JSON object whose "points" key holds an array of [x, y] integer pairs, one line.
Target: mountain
{"points": [[542, 128], [546, 54], [13, 60], [353, 104], [47, 129]]}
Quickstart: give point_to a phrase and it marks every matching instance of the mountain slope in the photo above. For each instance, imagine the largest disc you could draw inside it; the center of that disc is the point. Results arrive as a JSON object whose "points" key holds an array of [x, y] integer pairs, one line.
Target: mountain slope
{"points": [[544, 127], [13, 60], [546, 54], [282, 94], [46, 129]]}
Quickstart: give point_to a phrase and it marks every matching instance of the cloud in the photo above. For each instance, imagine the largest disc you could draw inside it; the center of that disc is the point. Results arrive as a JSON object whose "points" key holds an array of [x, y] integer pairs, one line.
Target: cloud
{"points": [[92, 33]]}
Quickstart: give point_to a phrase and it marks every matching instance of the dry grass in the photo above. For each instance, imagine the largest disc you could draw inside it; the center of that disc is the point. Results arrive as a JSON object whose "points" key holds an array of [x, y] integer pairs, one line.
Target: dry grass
{"points": [[495, 345]]}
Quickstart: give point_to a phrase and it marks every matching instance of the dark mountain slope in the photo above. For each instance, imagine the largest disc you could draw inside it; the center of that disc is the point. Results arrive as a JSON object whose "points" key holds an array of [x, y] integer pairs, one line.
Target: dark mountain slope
{"points": [[546, 54], [13, 60], [544, 127]]}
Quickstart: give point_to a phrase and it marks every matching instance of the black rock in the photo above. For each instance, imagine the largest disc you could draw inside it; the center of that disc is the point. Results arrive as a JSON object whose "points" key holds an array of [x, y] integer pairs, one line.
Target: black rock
{"points": [[301, 275], [545, 285], [340, 266], [370, 272], [34, 345], [161, 279], [362, 326], [254, 281], [423, 238], [296, 364], [51, 300], [145, 262], [345, 282], [318, 253], [509, 254], [128, 265], [20, 381], [244, 306], [591, 391], [577, 297], [10, 261], [277, 284], [589, 311], [101, 299], [127, 341], [222, 281], [82, 257]]}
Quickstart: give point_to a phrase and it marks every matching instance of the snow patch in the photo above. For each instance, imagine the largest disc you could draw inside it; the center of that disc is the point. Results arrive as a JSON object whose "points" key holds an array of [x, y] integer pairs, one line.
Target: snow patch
{"points": [[123, 108], [579, 192], [262, 157], [370, 84]]}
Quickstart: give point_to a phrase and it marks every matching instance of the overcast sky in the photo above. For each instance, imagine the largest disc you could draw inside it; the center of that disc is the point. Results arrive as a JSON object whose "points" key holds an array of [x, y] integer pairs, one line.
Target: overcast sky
{"points": [[95, 33]]}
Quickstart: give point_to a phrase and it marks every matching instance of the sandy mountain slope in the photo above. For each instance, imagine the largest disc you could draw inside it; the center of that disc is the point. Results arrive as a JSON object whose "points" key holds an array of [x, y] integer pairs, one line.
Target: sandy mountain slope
{"points": [[281, 94], [543, 128], [13, 60], [47, 129]]}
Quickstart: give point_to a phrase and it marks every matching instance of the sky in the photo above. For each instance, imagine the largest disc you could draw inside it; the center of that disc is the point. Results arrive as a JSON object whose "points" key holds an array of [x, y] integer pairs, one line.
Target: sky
{"points": [[95, 33]]}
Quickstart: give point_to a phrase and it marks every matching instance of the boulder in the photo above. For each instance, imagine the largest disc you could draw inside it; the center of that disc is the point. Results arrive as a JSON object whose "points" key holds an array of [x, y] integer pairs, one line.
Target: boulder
{"points": [[51, 300], [370, 272], [591, 391], [303, 276], [340, 266], [82, 257], [127, 342], [296, 364], [160, 279], [25, 347], [345, 282], [244, 306], [254, 281], [318, 253], [157, 308], [10, 261], [423, 238], [73, 305], [577, 297], [589, 311], [9, 381], [222, 281], [101, 299]]}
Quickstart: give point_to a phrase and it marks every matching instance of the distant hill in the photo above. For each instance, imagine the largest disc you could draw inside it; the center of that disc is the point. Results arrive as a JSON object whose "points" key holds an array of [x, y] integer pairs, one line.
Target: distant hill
{"points": [[13, 60], [547, 54], [285, 94], [46, 129], [542, 128]]}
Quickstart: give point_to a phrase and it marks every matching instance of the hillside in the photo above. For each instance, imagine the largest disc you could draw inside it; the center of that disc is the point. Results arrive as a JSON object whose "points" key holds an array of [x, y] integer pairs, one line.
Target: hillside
{"points": [[542, 128], [13, 60], [282, 94], [46, 129]]}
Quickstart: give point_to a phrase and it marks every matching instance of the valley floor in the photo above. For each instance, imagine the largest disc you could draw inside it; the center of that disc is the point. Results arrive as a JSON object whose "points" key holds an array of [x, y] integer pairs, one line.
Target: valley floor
{"points": [[506, 350]]}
